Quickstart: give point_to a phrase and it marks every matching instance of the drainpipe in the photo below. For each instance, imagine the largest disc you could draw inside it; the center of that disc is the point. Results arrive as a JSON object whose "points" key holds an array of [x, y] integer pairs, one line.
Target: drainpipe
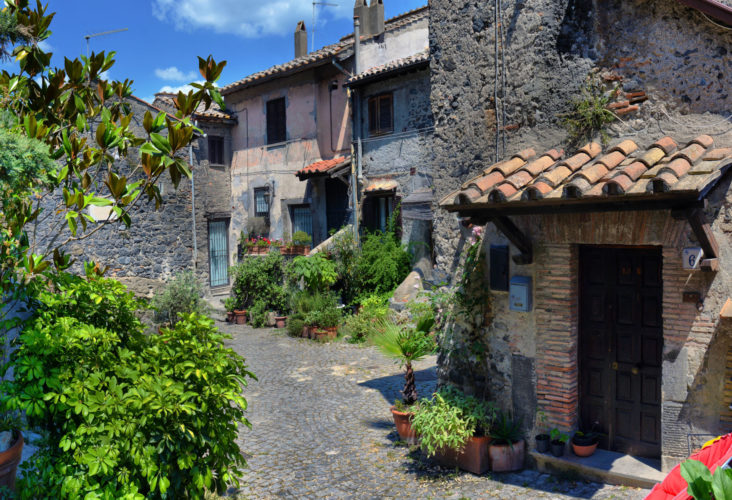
{"points": [[193, 204], [355, 100]]}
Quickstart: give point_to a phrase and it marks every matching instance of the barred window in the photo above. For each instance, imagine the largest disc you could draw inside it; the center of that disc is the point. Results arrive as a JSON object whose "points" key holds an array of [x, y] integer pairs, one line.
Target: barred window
{"points": [[261, 202]]}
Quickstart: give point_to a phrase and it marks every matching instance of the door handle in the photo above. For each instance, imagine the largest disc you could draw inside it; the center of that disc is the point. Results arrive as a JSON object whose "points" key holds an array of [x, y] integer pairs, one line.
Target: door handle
{"points": [[614, 365], [636, 369]]}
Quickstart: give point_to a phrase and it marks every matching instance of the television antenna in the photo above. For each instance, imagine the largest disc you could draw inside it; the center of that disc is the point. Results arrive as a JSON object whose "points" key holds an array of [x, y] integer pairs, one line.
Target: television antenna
{"points": [[87, 37], [315, 4]]}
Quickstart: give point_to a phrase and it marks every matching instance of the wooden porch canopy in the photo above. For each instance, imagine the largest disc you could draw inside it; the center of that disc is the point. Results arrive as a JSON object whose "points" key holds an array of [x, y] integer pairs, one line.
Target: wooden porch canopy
{"points": [[665, 176]]}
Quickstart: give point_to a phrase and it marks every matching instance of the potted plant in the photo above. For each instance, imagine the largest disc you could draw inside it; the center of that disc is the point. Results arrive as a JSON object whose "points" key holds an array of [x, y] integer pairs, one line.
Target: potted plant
{"points": [[301, 243], [405, 345], [324, 317], [454, 429], [507, 448], [240, 317], [543, 438], [280, 321], [584, 444], [558, 443], [11, 448], [230, 305]]}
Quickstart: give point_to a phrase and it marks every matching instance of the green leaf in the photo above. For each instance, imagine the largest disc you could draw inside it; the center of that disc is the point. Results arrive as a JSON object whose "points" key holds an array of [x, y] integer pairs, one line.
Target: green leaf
{"points": [[698, 478], [160, 142], [722, 484]]}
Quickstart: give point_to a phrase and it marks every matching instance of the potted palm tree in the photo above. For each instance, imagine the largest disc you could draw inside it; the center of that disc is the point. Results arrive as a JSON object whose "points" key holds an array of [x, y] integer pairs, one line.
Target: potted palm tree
{"points": [[406, 345]]}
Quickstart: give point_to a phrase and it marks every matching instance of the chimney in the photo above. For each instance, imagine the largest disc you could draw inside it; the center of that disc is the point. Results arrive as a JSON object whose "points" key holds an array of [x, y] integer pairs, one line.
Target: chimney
{"points": [[376, 17], [301, 40], [362, 12]]}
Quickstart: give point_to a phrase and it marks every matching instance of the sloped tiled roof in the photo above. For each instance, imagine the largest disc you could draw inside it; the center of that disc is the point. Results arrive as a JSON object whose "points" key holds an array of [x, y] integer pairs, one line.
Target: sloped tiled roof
{"points": [[719, 9], [380, 185], [322, 55], [214, 112], [622, 173], [321, 167], [420, 59]]}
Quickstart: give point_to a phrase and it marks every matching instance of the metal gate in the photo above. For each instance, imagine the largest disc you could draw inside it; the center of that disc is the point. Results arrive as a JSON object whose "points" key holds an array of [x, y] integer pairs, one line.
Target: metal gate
{"points": [[218, 251]]}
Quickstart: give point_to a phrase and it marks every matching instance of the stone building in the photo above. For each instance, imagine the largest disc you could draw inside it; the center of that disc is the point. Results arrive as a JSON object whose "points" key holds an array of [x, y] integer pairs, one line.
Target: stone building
{"points": [[604, 322], [160, 243]]}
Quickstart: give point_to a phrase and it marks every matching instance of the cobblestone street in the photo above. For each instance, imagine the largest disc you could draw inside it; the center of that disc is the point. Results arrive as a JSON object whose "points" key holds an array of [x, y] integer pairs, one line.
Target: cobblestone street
{"points": [[322, 429]]}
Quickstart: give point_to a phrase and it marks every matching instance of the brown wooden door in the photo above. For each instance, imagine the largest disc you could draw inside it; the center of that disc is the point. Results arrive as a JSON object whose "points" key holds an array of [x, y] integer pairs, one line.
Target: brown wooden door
{"points": [[621, 342]]}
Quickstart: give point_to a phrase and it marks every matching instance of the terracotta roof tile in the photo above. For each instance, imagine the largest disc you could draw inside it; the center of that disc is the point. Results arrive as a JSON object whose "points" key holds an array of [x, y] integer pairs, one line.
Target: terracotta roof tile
{"points": [[624, 172], [321, 167], [419, 59], [667, 144], [379, 185]]}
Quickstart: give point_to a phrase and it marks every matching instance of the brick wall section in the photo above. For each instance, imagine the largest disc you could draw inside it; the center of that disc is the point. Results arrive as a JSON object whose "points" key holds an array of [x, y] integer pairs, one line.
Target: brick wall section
{"points": [[556, 334]]}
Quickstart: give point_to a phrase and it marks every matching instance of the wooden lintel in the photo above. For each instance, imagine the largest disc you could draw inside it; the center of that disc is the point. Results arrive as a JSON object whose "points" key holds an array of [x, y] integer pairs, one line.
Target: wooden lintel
{"points": [[703, 232], [710, 265], [515, 236]]}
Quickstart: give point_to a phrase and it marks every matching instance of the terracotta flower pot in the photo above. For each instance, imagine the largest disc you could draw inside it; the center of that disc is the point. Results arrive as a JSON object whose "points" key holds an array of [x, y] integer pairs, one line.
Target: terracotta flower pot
{"points": [[584, 451], [280, 321], [403, 422], [474, 457], [229, 316], [326, 333], [9, 460], [506, 458], [306, 332], [240, 317]]}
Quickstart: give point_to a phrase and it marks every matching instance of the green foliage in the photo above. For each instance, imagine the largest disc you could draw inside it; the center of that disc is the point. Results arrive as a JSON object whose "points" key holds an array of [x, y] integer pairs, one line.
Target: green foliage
{"points": [[230, 304], [558, 436], [184, 294], [318, 272], [322, 311], [260, 279], [403, 344], [124, 414], [295, 325], [450, 419], [506, 430], [258, 314], [345, 253], [383, 264], [95, 165], [301, 238], [705, 486], [589, 113], [367, 323]]}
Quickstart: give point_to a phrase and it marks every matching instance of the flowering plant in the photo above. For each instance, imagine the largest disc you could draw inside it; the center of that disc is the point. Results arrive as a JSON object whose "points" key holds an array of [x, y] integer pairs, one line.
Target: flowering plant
{"points": [[263, 242]]}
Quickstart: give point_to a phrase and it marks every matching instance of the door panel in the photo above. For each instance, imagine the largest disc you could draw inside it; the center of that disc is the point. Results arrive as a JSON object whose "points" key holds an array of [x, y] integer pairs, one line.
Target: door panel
{"points": [[218, 252], [621, 341]]}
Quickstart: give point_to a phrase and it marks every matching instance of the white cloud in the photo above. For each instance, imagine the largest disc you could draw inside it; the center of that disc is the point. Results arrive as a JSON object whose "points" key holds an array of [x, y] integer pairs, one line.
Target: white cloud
{"points": [[180, 88], [173, 74], [45, 46], [247, 18], [105, 75]]}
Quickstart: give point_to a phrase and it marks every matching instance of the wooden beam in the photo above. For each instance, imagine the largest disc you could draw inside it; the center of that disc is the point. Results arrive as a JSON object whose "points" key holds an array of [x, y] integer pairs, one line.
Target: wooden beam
{"points": [[703, 232], [515, 236]]}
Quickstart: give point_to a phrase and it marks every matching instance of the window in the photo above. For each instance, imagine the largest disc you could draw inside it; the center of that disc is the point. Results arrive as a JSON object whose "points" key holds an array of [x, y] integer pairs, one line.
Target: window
{"points": [[276, 121], [377, 210], [302, 219], [215, 150], [381, 114], [261, 202]]}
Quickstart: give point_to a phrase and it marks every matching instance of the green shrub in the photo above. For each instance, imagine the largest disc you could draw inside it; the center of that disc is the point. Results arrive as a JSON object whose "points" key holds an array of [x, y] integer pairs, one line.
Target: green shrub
{"points": [[316, 271], [323, 311], [362, 326], [383, 265], [345, 253], [260, 279], [123, 414], [257, 314], [184, 294], [295, 325], [301, 238], [450, 419]]}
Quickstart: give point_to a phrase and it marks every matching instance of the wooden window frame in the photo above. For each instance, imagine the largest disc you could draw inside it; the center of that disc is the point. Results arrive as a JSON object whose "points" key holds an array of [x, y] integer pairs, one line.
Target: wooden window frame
{"points": [[216, 150], [376, 127], [276, 121]]}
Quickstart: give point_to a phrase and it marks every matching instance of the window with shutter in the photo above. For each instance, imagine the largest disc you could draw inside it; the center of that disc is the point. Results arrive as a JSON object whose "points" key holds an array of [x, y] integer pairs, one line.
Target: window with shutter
{"points": [[381, 114], [215, 150], [276, 121]]}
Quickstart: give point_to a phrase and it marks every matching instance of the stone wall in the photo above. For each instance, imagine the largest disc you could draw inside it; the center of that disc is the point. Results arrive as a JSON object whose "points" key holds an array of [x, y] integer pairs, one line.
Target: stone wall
{"points": [[159, 243], [664, 48]]}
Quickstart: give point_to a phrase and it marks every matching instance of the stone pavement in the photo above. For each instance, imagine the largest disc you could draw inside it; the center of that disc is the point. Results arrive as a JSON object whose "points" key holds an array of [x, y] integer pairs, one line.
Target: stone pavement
{"points": [[322, 429]]}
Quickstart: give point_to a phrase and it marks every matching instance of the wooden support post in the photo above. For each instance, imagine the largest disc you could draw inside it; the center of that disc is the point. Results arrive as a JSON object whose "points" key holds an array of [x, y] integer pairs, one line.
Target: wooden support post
{"points": [[515, 236], [703, 232]]}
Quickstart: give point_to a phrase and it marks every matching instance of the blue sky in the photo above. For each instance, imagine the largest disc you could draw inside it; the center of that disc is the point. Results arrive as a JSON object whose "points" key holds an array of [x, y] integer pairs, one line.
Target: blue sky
{"points": [[159, 50]]}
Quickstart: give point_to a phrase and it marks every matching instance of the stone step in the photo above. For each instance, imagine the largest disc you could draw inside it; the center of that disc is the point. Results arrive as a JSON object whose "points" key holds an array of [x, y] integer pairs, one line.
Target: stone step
{"points": [[604, 467]]}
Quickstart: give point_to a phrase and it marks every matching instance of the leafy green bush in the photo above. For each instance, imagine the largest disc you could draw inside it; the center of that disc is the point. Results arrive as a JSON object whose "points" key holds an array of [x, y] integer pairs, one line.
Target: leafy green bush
{"points": [[450, 419], [260, 279], [383, 265], [316, 271], [295, 324], [124, 414], [257, 314], [345, 253], [362, 326], [323, 311], [184, 294], [301, 238]]}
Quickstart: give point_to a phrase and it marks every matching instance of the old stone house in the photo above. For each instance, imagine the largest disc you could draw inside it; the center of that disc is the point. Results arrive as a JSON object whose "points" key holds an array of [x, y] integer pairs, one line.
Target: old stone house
{"points": [[160, 243], [600, 305]]}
